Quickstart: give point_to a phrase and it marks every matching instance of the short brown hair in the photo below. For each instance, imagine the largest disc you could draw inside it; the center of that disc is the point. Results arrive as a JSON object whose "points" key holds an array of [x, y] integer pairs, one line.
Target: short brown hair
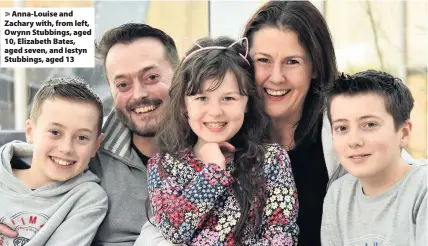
{"points": [[66, 88], [129, 32], [398, 98]]}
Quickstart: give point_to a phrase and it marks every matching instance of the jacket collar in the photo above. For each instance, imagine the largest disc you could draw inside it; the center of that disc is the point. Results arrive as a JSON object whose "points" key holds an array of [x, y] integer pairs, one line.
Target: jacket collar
{"points": [[117, 136]]}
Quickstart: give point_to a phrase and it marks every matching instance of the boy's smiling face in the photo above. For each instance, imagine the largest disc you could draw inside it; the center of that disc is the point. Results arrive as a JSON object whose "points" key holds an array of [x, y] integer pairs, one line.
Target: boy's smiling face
{"points": [[65, 137], [364, 135]]}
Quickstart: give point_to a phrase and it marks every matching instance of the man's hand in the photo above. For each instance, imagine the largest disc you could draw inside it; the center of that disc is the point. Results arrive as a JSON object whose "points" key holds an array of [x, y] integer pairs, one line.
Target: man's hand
{"points": [[5, 230]]}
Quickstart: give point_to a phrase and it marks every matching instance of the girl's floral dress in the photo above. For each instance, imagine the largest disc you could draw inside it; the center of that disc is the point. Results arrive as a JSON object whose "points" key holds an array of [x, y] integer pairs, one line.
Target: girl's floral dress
{"points": [[193, 202]]}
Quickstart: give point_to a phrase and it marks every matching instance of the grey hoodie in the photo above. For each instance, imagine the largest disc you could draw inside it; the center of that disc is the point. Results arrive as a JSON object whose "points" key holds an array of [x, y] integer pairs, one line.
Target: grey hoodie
{"points": [[62, 213]]}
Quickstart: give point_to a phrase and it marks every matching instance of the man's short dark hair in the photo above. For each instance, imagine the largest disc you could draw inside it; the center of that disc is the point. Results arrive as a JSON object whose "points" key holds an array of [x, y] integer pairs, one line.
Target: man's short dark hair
{"points": [[130, 32], [398, 97]]}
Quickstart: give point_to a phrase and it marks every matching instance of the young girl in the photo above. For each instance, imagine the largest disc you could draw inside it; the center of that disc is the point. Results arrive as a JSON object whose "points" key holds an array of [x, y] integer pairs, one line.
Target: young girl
{"points": [[217, 179]]}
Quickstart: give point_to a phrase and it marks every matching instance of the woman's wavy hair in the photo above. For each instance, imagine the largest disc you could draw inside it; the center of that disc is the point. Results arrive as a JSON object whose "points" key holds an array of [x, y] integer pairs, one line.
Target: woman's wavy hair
{"points": [[175, 134]]}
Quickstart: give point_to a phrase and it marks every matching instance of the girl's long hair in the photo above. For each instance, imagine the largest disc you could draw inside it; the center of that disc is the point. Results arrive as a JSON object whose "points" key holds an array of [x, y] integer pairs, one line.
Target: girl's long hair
{"points": [[175, 134]]}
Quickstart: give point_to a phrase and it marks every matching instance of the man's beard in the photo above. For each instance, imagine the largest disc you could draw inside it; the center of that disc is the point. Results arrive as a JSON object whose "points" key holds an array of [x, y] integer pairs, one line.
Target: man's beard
{"points": [[144, 131], [147, 129]]}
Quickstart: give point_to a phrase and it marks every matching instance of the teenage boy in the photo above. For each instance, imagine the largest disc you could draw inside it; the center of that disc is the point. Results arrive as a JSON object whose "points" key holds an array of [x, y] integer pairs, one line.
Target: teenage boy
{"points": [[382, 201]]}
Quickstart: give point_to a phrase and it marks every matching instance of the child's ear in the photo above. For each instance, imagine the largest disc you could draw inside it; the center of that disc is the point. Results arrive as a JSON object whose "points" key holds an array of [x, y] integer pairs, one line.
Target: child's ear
{"points": [[98, 143], [29, 131], [406, 132]]}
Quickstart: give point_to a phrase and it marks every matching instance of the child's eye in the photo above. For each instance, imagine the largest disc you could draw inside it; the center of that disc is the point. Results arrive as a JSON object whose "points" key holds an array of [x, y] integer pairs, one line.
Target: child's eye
{"points": [[54, 132], [83, 138], [202, 98], [371, 124], [340, 128], [229, 98], [263, 60]]}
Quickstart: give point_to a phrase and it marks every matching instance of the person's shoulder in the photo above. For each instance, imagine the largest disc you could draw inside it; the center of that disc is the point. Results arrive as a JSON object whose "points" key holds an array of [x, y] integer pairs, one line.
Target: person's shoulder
{"points": [[83, 193], [95, 191], [343, 184], [178, 157], [171, 162], [105, 159], [341, 192], [92, 194], [164, 158], [276, 160], [274, 151], [88, 183], [420, 169], [418, 175], [274, 148], [104, 155], [414, 188]]}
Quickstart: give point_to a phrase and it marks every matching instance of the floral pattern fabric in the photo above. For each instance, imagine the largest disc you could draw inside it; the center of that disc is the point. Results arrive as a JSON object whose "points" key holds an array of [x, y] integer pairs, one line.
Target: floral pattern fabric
{"points": [[193, 202]]}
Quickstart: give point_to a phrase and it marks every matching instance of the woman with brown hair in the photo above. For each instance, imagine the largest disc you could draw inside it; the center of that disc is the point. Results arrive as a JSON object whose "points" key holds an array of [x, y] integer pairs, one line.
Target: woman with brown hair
{"points": [[294, 59]]}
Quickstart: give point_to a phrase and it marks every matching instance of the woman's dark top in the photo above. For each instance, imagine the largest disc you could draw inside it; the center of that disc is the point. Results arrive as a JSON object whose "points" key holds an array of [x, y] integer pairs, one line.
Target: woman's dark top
{"points": [[311, 177]]}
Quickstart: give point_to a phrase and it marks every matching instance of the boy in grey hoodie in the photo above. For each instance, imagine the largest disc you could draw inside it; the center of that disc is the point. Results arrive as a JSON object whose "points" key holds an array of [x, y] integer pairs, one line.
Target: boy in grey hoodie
{"points": [[383, 200], [47, 194]]}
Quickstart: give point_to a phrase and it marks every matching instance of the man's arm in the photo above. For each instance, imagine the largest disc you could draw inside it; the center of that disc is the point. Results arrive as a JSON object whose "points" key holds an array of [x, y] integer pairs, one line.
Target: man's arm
{"points": [[151, 236]]}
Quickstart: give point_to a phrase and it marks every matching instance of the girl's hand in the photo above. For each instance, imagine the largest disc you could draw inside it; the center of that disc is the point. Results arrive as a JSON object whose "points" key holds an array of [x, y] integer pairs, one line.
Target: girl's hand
{"points": [[215, 153]]}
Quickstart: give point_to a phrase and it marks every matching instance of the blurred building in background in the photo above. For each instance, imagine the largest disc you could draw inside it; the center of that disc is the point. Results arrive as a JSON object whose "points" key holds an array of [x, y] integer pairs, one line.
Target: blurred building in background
{"points": [[387, 35]]}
